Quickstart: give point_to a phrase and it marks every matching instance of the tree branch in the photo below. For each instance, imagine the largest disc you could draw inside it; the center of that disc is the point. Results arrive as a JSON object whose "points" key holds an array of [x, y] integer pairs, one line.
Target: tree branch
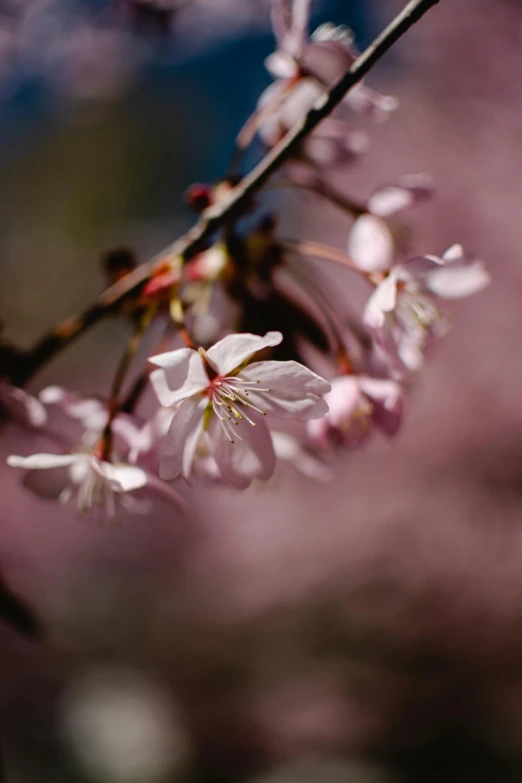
{"points": [[229, 207]]}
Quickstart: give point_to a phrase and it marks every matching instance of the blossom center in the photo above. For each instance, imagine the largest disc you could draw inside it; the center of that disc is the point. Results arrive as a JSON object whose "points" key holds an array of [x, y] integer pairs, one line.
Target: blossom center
{"points": [[231, 402]]}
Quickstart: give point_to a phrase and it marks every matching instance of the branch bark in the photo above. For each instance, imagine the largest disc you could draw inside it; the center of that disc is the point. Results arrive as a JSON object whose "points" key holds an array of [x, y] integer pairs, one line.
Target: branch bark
{"points": [[228, 208]]}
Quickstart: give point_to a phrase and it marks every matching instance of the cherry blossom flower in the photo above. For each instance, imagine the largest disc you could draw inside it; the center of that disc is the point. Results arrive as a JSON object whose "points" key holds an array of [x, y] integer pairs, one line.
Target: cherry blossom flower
{"points": [[303, 67], [94, 480], [218, 394], [402, 310], [326, 55], [100, 484], [370, 243], [357, 403]]}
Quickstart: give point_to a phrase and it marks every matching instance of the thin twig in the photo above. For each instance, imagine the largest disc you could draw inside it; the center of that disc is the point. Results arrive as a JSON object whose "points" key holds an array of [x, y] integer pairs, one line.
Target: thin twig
{"points": [[231, 206]]}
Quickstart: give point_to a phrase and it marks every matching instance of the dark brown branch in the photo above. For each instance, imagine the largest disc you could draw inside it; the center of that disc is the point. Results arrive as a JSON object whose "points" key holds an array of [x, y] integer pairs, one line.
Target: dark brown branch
{"points": [[231, 206]]}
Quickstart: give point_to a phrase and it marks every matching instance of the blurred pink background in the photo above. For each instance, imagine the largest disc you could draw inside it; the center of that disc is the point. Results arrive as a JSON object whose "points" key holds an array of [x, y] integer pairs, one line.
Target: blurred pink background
{"points": [[368, 629]]}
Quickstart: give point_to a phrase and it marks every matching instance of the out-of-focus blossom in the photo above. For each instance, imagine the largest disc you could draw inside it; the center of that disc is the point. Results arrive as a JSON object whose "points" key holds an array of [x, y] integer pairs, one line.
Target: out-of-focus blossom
{"points": [[95, 481], [370, 243], [217, 391], [409, 190], [356, 404], [286, 448], [402, 309], [85, 471], [303, 68], [98, 484], [333, 142], [22, 406]]}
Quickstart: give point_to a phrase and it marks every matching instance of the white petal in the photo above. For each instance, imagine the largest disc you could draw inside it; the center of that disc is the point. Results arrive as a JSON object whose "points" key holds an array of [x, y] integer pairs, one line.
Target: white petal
{"points": [[80, 468], [52, 395], [296, 39], [280, 18], [176, 382], [243, 460], [295, 391], [180, 443], [382, 301], [230, 352], [43, 461], [390, 200], [343, 399], [364, 100], [126, 430], [370, 244], [123, 478], [386, 391], [454, 253], [281, 65], [410, 350], [174, 359], [455, 282]]}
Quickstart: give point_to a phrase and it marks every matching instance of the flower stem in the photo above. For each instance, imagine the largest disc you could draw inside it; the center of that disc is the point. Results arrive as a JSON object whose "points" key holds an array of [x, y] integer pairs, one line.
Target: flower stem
{"points": [[119, 377]]}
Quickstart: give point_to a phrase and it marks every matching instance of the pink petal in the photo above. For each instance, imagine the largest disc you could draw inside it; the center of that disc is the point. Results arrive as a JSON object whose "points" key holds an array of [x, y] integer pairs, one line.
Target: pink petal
{"points": [[296, 38], [182, 378], [288, 448], [364, 100], [389, 200], [327, 59], [230, 352], [455, 282], [382, 301], [387, 397], [180, 443], [243, 460], [280, 16], [370, 244], [410, 350], [386, 391], [343, 398], [393, 198], [126, 431], [166, 492], [295, 391], [281, 65], [419, 267]]}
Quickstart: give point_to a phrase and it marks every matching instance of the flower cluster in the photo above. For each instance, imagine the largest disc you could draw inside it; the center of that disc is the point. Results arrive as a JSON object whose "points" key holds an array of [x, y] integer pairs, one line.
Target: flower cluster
{"points": [[249, 318]]}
